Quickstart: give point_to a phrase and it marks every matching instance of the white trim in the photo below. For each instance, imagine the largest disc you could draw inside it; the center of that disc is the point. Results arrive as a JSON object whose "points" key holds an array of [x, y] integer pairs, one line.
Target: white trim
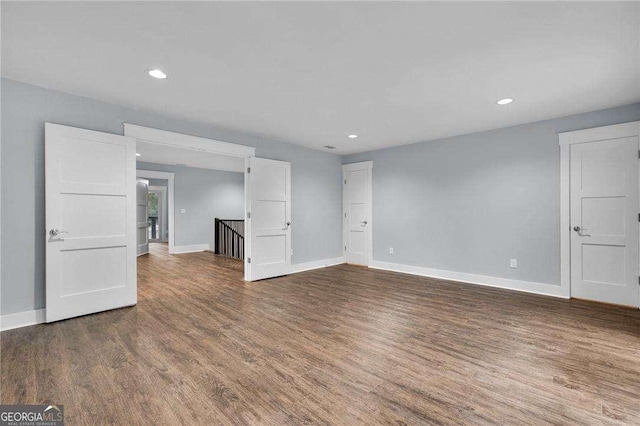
{"points": [[363, 165], [484, 280], [179, 140], [191, 248], [152, 174], [614, 131], [22, 319], [565, 140], [163, 137], [316, 264], [358, 166], [247, 228], [565, 220], [164, 214]]}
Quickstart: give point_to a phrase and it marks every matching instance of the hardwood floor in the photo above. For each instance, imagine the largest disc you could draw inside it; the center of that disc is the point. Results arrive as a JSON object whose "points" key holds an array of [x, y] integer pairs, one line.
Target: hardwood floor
{"points": [[341, 345]]}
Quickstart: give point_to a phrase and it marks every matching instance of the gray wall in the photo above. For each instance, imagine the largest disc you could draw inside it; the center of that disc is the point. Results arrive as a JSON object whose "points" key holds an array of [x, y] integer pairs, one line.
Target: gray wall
{"points": [[316, 183], [205, 194], [470, 203]]}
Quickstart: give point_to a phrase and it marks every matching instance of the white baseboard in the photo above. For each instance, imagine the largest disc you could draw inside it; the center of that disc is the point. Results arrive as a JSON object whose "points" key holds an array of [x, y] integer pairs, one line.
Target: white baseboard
{"points": [[22, 319], [505, 283], [190, 249], [316, 264]]}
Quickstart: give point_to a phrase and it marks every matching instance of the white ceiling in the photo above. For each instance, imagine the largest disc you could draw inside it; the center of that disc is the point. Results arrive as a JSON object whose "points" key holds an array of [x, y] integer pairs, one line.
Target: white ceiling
{"points": [[310, 73], [162, 154]]}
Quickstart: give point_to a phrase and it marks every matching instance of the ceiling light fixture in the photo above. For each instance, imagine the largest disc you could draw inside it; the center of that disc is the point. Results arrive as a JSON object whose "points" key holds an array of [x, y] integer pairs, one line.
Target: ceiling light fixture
{"points": [[156, 73], [352, 136], [138, 154], [505, 101]]}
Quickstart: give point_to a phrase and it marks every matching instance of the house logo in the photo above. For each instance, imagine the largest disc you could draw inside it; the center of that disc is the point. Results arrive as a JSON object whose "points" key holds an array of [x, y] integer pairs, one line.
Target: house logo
{"points": [[31, 415]]}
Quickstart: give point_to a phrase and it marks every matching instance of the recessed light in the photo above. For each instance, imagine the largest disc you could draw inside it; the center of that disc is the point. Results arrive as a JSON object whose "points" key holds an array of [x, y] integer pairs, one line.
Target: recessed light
{"points": [[138, 154], [505, 101], [156, 73], [352, 136]]}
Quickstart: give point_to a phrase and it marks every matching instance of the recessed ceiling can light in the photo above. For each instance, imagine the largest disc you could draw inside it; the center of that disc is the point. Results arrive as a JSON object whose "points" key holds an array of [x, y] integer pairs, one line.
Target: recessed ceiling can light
{"points": [[352, 136], [156, 73], [138, 154], [505, 101]]}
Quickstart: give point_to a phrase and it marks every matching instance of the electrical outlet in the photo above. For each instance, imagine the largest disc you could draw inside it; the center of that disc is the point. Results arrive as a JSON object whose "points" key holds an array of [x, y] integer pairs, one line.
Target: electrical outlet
{"points": [[390, 250], [513, 263], [183, 210]]}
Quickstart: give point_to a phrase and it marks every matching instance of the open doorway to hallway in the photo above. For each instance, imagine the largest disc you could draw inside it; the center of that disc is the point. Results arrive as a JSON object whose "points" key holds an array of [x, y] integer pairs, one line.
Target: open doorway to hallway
{"points": [[192, 202]]}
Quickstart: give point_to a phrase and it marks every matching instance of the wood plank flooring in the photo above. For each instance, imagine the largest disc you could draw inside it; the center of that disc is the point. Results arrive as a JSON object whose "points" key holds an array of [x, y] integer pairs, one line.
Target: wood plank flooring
{"points": [[340, 345]]}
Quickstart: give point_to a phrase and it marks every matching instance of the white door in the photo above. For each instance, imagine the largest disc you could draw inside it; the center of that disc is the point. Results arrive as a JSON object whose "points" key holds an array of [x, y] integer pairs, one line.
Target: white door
{"points": [[268, 227], [142, 215], [604, 221], [357, 220], [90, 220]]}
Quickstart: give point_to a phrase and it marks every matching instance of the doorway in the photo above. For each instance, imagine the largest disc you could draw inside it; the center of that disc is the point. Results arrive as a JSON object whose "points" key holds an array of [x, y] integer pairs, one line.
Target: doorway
{"points": [[600, 205], [357, 212], [156, 202]]}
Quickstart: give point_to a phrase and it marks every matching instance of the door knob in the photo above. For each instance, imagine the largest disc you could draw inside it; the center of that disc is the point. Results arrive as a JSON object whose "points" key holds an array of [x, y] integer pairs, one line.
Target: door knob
{"points": [[287, 226], [364, 223], [577, 228], [55, 232]]}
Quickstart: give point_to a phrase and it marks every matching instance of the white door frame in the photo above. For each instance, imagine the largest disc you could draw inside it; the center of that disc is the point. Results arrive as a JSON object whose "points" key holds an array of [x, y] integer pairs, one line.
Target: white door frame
{"points": [[163, 213], [179, 140], [369, 231], [169, 177], [566, 139]]}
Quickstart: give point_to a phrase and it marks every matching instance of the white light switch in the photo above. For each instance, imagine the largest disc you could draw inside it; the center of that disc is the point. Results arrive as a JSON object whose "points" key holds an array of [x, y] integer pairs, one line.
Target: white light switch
{"points": [[513, 263], [390, 250], [183, 210]]}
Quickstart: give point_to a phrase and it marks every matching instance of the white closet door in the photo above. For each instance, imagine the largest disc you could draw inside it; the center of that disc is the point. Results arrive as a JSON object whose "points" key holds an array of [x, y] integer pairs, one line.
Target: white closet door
{"points": [[357, 217]]}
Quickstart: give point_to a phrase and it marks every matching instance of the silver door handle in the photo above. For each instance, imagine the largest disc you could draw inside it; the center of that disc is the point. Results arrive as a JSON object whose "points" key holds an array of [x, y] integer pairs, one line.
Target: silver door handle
{"points": [[55, 232], [580, 231], [286, 227], [364, 223]]}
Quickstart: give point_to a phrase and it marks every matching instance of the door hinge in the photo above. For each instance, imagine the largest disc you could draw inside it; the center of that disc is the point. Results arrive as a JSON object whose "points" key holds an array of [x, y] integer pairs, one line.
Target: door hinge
{"points": [[345, 248], [345, 215], [248, 260], [248, 169], [248, 215], [345, 181]]}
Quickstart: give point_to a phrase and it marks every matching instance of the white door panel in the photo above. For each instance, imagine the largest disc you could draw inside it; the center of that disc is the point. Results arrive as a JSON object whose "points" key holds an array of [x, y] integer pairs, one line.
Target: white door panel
{"points": [[604, 221], [357, 218], [90, 219], [268, 228], [142, 215]]}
